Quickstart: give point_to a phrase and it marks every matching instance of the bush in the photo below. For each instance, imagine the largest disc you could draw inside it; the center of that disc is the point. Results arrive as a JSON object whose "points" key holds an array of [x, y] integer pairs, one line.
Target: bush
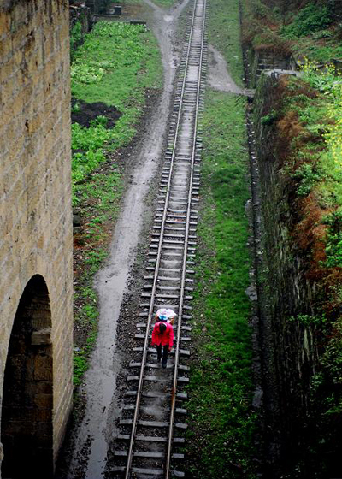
{"points": [[307, 178], [75, 38], [310, 19], [334, 239]]}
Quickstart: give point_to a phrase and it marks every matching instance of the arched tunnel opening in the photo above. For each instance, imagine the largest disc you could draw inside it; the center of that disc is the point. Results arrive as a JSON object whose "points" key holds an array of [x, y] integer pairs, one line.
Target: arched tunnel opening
{"points": [[26, 426]]}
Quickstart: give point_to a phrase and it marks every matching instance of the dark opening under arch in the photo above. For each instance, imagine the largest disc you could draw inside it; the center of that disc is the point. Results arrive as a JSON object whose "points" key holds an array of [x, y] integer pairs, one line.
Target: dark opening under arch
{"points": [[26, 425]]}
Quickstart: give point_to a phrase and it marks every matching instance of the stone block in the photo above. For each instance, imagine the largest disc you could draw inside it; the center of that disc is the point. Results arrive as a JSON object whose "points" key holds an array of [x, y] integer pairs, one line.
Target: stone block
{"points": [[41, 337], [34, 214], [42, 372]]}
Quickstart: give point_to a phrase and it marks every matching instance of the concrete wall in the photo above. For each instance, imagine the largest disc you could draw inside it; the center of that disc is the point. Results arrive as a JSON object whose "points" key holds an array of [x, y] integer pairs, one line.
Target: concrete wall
{"points": [[35, 179]]}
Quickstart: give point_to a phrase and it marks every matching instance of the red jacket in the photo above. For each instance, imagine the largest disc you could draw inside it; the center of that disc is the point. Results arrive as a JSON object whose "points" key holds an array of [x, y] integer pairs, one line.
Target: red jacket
{"points": [[162, 338]]}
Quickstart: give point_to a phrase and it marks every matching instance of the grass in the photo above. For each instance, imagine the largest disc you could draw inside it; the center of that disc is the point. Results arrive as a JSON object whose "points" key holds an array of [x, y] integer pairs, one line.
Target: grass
{"points": [[165, 3], [221, 422], [127, 61], [309, 19], [321, 52], [224, 35], [99, 198], [117, 64], [316, 151], [305, 121], [221, 425]]}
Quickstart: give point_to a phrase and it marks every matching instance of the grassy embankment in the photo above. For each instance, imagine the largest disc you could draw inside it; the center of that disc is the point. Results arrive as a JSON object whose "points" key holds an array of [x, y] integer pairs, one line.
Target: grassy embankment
{"points": [[221, 423], [116, 65], [304, 29]]}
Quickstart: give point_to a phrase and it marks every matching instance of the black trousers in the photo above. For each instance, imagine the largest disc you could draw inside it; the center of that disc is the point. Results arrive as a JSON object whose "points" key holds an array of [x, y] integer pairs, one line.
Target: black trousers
{"points": [[162, 353]]}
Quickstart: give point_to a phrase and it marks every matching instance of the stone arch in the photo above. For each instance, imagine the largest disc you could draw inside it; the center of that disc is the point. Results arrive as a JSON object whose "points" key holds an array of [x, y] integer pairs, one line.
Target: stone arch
{"points": [[27, 409]]}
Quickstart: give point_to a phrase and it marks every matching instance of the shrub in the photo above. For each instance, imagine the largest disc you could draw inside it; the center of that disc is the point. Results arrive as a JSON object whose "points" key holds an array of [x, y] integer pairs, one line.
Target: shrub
{"points": [[307, 177], [334, 239], [312, 18], [75, 38]]}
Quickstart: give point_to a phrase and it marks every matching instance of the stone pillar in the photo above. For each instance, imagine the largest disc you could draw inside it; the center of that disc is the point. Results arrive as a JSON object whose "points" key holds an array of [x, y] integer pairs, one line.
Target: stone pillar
{"points": [[35, 181]]}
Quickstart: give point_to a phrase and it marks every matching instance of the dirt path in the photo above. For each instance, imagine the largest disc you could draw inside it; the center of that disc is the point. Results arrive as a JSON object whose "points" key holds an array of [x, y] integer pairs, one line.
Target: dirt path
{"points": [[97, 427], [219, 78]]}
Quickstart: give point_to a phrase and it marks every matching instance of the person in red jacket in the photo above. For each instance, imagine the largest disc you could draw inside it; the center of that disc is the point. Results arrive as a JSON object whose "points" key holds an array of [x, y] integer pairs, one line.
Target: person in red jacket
{"points": [[162, 338]]}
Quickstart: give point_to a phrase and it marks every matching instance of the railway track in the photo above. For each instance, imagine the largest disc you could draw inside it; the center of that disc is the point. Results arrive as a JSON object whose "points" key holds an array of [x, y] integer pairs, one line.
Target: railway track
{"points": [[153, 421]]}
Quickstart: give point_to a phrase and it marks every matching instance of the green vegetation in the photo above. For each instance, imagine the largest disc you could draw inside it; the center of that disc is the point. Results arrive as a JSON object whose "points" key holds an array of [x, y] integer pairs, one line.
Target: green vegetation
{"points": [[260, 28], [165, 3], [334, 241], [100, 200], [306, 29], [323, 52], [307, 129], [306, 134], [317, 98], [310, 19], [117, 64], [75, 37], [270, 118], [307, 178], [87, 318], [90, 145], [224, 35], [221, 425], [220, 437], [308, 320], [302, 120], [127, 56]]}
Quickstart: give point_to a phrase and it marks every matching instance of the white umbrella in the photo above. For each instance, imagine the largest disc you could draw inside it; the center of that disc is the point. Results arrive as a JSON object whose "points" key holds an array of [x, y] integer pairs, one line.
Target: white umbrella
{"points": [[165, 314]]}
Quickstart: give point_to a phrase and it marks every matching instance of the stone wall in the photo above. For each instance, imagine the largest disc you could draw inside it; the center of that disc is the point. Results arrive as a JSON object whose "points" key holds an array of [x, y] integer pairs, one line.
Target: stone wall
{"points": [[35, 175], [258, 61], [288, 348]]}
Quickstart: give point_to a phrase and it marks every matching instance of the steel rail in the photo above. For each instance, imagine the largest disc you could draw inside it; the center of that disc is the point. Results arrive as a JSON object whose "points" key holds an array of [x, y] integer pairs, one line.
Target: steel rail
{"points": [[160, 244], [183, 278]]}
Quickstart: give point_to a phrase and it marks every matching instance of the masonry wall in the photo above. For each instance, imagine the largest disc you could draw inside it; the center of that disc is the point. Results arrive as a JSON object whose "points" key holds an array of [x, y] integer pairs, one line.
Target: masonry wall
{"points": [[35, 179], [288, 349]]}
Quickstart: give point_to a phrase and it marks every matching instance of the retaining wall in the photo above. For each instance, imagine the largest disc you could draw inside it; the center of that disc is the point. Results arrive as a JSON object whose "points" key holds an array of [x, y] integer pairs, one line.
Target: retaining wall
{"points": [[288, 349]]}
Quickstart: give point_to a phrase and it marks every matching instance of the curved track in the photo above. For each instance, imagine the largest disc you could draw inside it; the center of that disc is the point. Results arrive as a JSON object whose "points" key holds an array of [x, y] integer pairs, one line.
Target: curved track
{"points": [[153, 420]]}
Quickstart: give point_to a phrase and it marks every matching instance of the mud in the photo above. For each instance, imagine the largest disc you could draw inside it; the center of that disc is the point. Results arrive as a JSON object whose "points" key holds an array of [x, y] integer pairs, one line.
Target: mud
{"points": [[88, 112]]}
